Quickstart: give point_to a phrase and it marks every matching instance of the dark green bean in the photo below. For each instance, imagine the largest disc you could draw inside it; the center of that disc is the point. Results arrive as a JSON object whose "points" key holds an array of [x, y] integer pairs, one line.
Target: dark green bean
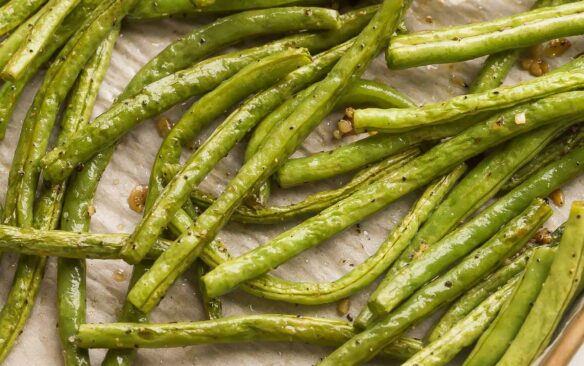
{"points": [[212, 306]]}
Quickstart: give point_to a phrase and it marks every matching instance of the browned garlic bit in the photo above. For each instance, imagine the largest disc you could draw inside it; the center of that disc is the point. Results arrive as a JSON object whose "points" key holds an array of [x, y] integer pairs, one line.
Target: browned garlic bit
{"points": [[428, 19], [543, 236], [343, 307], [91, 210], [137, 198], [557, 197], [534, 63], [163, 126], [557, 47]]}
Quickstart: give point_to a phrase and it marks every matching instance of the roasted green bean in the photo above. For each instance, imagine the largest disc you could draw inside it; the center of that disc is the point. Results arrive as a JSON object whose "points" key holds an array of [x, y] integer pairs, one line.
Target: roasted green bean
{"points": [[38, 38], [173, 89], [226, 31], [461, 43], [287, 328], [15, 12], [557, 292], [500, 334], [463, 333], [443, 289], [378, 195]]}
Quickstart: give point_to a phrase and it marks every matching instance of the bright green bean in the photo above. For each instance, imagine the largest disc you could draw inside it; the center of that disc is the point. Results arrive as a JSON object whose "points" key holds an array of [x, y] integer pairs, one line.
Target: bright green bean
{"points": [[226, 31], [15, 12], [557, 292], [378, 195], [396, 120], [71, 273], [173, 89], [317, 202], [443, 289], [463, 333], [38, 38], [571, 139], [494, 342], [281, 144], [172, 198], [474, 40], [288, 328]]}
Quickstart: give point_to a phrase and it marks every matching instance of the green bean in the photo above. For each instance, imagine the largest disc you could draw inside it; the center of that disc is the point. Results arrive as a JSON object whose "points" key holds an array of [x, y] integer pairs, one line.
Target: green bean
{"points": [[461, 43], [38, 38], [33, 141], [226, 31], [282, 142], [438, 256], [71, 273], [288, 328], [156, 9], [365, 273], [315, 203], [269, 71], [219, 143], [470, 300], [467, 197], [570, 140], [13, 13], [212, 306], [378, 195], [443, 289], [463, 333], [495, 340], [396, 120], [10, 91], [464, 200], [171, 90], [359, 92], [354, 155], [557, 292]]}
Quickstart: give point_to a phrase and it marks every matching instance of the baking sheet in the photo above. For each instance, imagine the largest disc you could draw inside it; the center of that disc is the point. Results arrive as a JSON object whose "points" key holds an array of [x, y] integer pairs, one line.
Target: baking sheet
{"points": [[39, 344]]}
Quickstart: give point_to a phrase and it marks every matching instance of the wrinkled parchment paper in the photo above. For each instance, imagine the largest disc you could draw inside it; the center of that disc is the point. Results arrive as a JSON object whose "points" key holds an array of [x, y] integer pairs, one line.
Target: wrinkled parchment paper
{"points": [[39, 344]]}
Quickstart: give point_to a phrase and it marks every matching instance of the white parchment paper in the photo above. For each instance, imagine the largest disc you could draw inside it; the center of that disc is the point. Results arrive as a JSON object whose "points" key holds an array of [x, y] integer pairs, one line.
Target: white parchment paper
{"points": [[39, 345]]}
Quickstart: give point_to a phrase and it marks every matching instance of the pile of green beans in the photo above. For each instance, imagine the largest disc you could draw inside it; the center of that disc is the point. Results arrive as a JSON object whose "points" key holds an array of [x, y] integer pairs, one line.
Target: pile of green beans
{"points": [[480, 165]]}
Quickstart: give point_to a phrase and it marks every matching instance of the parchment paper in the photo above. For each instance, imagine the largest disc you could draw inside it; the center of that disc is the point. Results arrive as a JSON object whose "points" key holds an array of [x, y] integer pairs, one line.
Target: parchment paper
{"points": [[39, 344]]}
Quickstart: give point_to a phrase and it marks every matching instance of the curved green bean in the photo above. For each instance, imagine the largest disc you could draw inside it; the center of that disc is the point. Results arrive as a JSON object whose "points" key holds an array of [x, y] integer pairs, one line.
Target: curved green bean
{"points": [[283, 141], [173, 89], [378, 195], [557, 292], [571, 139], [15, 12], [495, 340], [466, 42], [226, 31], [156, 9], [172, 198], [463, 333], [246, 328], [78, 198], [396, 120], [443, 289], [38, 38], [313, 203]]}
